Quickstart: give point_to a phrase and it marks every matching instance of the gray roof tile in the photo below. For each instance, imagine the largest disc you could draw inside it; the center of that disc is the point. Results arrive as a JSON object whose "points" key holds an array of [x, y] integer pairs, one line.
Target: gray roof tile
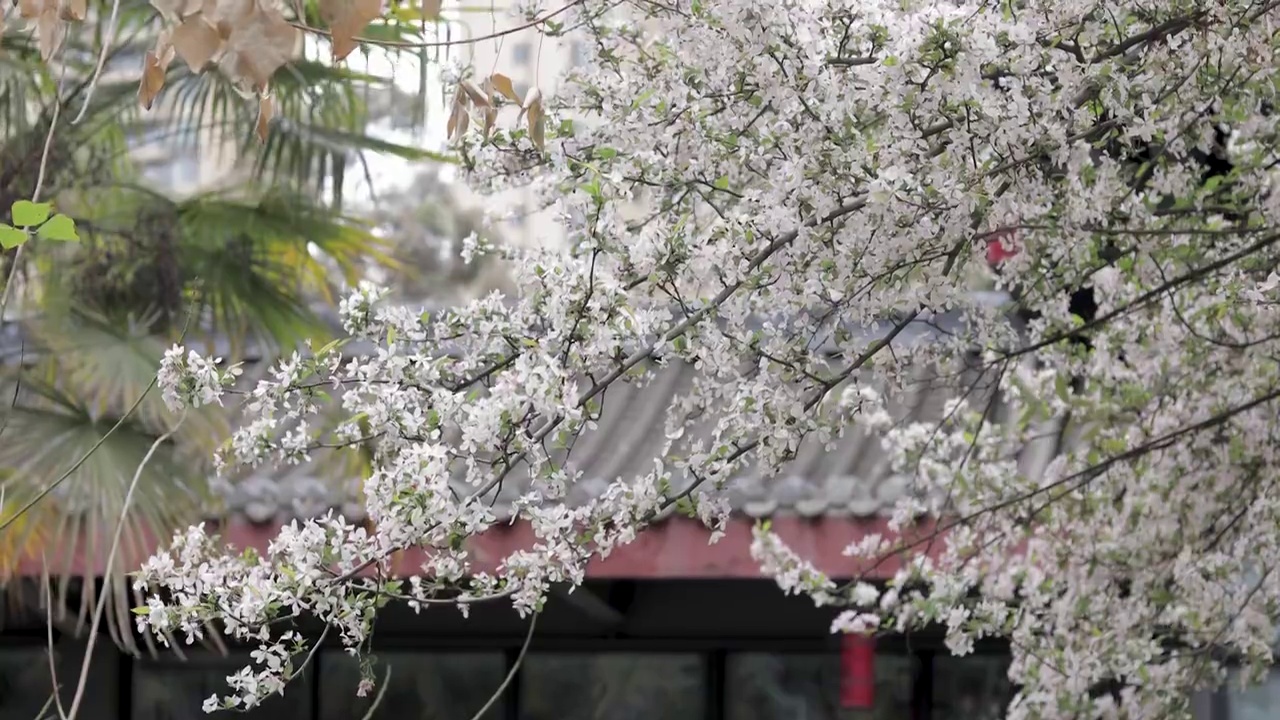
{"points": [[853, 478]]}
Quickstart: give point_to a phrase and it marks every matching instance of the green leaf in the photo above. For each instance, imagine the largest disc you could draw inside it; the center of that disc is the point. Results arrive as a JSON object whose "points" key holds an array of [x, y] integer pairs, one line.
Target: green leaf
{"points": [[60, 227], [142, 610], [29, 214], [331, 346], [722, 182], [11, 237]]}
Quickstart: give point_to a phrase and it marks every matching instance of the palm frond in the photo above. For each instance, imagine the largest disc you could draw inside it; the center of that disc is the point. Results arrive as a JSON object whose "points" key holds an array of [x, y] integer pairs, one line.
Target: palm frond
{"points": [[319, 128], [73, 528], [99, 366], [260, 260]]}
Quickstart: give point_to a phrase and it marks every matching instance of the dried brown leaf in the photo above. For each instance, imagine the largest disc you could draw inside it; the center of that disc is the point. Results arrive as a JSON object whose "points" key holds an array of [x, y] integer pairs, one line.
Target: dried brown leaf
{"points": [[452, 125], [176, 10], [533, 112], [537, 130], [51, 31], [196, 42], [152, 79], [347, 19], [477, 96], [532, 98], [464, 121], [258, 47], [266, 111], [227, 16], [459, 118], [504, 86], [431, 9], [73, 10], [490, 119]]}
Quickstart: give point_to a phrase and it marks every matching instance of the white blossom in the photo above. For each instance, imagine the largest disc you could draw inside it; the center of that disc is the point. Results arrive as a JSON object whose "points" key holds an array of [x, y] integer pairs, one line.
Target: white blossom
{"points": [[792, 198]]}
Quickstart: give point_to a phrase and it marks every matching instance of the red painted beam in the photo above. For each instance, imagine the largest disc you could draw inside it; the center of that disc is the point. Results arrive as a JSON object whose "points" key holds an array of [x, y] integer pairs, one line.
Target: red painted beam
{"points": [[676, 548]]}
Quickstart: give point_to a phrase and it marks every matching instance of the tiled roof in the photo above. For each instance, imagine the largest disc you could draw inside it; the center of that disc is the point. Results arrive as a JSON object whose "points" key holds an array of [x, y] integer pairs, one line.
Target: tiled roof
{"points": [[852, 479]]}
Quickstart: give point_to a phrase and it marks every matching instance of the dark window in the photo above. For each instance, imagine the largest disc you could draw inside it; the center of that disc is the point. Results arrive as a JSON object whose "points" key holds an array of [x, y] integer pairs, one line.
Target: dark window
{"points": [[522, 53], [171, 689], [24, 684], [613, 687], [25, 687], [768, 686], [973, 687], [422, 686]]}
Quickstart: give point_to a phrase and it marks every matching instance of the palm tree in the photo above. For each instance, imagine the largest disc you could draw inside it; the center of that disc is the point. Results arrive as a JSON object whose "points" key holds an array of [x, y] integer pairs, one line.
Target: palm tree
{"points": [[241, 267]]}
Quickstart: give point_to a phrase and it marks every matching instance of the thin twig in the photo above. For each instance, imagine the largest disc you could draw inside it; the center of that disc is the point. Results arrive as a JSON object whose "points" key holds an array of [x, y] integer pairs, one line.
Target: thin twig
{"points": [[106, 572], [515, 666], [48, 626], [377, 700], [314, 649], [102, 61], [48, 701]]}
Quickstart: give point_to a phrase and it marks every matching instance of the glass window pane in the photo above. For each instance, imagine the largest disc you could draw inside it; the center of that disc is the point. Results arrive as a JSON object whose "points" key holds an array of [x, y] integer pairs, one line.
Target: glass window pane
{"points": [[422, 686], [770, 686], [171, 689], [24, 683], [612, 686], [973, 687], [1258, 702]]}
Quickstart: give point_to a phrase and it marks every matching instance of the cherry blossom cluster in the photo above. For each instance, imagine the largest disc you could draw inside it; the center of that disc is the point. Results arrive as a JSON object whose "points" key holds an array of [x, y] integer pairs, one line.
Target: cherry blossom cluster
{"points": [[187, 378], [789, 197]]}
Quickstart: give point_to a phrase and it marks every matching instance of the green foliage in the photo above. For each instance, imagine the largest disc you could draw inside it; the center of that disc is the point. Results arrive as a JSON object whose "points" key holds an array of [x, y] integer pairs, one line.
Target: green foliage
{"points": [[29, 214], [11, 237], [123, 267], [58, 227]]}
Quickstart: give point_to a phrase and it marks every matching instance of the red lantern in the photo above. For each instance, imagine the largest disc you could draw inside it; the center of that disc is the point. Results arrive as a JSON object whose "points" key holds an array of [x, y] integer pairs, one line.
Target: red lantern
{"points": [[858, 671], [1001, 246]]}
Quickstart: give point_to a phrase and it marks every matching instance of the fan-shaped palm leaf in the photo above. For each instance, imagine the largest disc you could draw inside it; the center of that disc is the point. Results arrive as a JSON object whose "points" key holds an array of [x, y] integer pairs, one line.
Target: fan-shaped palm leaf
{"points": [[261, 262], [77, 525], [108, 365], [86, 374], [242, 264]]}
